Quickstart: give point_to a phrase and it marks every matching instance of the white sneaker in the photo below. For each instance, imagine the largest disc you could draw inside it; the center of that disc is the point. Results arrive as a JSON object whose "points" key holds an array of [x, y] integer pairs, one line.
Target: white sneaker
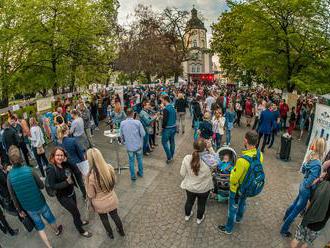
{"points": [[199, 221], [186, 218]]}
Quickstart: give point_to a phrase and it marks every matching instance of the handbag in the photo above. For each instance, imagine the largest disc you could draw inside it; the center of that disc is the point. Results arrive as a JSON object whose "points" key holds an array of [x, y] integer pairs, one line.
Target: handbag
{"points": [[40, 150]]}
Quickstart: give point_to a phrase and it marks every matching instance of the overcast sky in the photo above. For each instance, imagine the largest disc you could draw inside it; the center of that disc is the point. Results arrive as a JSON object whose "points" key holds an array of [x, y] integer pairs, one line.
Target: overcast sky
{"points": [[210, 9]]}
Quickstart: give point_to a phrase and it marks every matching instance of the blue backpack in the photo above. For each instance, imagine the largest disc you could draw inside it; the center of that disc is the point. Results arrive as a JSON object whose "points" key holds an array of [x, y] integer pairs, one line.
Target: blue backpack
{"points": [[254, 180]]}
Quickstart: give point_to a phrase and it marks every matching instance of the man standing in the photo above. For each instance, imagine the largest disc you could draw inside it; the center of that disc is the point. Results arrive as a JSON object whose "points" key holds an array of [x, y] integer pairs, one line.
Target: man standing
{"points": [[169, 128], [236, 204], [77, 129], [284, 109], [132, 133], [266, 123], [19, 134], [180, 106], [25, 186], [146, 121], [86, 116]]}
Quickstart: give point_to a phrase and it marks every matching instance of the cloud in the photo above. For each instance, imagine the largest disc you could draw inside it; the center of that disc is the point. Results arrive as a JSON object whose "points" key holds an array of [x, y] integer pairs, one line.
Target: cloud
{"points": [[209, 9]]}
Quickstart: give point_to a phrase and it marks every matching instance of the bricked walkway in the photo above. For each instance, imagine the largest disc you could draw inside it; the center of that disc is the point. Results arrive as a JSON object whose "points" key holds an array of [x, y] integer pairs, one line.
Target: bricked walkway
{"points": [[152, 207]]}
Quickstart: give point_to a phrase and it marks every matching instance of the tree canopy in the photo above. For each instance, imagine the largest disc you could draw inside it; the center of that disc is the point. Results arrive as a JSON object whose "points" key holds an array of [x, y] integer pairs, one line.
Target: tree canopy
{"points": [[284, 43], [47, 44]]}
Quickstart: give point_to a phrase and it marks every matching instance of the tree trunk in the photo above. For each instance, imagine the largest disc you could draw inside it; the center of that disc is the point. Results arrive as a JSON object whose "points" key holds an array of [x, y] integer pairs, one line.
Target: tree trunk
{"points": [[176, 77], [73, 77], [4, 102]]}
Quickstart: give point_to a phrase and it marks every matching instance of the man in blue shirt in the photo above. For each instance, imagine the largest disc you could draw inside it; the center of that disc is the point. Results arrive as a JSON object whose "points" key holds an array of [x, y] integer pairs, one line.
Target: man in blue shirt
{"points": [[132, 133], [169, 128], [276, 124]]}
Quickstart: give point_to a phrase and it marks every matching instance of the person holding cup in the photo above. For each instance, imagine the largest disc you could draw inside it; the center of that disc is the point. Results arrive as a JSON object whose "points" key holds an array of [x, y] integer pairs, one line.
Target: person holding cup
{"points": [[60, 177]]}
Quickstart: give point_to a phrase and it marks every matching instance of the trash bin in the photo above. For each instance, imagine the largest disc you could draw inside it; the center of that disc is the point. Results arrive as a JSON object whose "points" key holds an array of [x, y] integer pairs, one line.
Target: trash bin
{"points": [[285, 147]]}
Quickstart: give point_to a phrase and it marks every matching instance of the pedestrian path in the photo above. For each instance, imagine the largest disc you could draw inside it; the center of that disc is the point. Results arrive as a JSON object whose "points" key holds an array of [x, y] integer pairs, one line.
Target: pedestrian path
{"points": [[152, 208]]}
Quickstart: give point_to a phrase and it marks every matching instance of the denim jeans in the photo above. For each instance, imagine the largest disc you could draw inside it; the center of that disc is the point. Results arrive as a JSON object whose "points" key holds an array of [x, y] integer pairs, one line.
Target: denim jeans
{"points": [[228, 136], [146, 143], [131, 160], [236, 209], [168, 136], [196, 127], [44, 212], [218, 138], [297, 206]]}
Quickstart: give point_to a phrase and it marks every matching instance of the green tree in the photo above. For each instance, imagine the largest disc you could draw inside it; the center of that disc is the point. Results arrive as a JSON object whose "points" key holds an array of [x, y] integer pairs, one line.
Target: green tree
{"points": [[275, 40]]}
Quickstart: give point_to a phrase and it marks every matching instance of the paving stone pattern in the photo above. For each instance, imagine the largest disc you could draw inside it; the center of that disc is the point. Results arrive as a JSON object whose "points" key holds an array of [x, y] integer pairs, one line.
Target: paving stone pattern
{"points": [[152, 208]]}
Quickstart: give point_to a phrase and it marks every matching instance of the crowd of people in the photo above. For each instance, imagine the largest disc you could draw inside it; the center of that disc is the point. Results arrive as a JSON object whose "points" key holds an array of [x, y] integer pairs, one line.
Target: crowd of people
{"points": [[140, 114]]}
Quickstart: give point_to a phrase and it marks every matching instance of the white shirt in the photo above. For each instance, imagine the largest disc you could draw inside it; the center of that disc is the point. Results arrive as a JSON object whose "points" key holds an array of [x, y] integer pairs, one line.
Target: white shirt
{"points": [[37, 137], [209, 101], [218, 125], [196, 184]]}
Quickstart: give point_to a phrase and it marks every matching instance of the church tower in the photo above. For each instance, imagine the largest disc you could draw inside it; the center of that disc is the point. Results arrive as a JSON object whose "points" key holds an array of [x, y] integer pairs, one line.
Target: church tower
{"points": [[199, 65]]}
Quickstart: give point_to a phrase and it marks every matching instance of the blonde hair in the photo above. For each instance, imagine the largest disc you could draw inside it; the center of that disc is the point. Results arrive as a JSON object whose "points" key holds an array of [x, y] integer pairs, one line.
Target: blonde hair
{"points": [[319, 147], [103, 172], [60, 132], [207, 116], [180, 96]]}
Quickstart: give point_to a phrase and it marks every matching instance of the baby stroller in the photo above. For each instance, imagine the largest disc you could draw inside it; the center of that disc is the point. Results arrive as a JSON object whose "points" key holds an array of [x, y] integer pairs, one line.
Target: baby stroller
{"points": [[221, 176]]}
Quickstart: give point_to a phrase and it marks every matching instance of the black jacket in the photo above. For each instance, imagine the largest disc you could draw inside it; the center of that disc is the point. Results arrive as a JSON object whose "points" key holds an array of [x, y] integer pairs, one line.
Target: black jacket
{"points": [[181, 105], [58, 180], [10, 138]]}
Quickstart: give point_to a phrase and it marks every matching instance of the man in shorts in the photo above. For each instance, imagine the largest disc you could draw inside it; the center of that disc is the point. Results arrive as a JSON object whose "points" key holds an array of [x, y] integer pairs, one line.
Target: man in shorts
{"points": [[25, 186]]}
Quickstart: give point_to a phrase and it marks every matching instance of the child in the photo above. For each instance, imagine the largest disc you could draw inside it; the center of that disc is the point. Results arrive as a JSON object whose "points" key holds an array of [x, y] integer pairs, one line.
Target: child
{"points": [[222, 174], [205, 127], [225, 166]]}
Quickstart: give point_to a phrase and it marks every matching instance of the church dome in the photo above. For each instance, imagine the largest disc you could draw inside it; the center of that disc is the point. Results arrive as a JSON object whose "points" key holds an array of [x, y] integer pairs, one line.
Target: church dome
{"points": [[195, 22]]}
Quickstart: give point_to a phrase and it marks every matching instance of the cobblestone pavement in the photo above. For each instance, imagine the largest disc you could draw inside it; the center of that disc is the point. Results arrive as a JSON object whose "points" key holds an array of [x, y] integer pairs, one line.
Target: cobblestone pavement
{"points": [[152, 207]]}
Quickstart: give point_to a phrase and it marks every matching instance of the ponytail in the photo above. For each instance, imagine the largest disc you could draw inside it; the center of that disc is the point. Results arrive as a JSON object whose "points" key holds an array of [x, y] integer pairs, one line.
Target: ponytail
{"points": [[195, 162]]}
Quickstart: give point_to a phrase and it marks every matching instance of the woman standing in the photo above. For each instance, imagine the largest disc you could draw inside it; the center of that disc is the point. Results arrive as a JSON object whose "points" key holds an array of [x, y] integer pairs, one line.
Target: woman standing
{"points": [[197, 181], [37, 143], [302, 120], [317, 214], [100, 183], [61, 180], [118, 115], [311, 169], [218, 123], [230, 117]]}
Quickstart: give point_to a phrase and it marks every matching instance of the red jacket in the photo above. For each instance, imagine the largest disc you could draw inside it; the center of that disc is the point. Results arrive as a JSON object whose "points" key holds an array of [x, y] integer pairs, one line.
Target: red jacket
{"points": [[284, 109]]}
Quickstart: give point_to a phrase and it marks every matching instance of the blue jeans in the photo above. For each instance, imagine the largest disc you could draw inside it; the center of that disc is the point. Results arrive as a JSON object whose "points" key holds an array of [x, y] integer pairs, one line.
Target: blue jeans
{"points": [[297, 206], [218, 138], [146, 143], [228, 136], [168, 136], [196, 127], [131, 160], [236, 209], [44, 212]]}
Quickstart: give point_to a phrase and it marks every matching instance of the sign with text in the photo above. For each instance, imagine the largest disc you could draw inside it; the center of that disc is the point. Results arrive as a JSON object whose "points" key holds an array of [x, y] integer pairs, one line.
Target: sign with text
{"points": [[321, 126], [44, 104]]}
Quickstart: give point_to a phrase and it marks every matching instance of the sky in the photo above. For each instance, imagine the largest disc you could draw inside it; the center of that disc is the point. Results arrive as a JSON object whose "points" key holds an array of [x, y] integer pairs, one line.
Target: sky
{"points": [[210, 9]]}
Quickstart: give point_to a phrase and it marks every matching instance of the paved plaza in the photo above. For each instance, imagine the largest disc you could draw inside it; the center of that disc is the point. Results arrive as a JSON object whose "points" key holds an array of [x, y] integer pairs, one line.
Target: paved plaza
{"points": [[152, 208]]}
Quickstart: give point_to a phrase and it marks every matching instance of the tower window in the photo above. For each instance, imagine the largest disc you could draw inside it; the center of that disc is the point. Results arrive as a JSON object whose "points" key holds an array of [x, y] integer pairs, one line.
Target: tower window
{"points": [[194, 43], [193, 68]]}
